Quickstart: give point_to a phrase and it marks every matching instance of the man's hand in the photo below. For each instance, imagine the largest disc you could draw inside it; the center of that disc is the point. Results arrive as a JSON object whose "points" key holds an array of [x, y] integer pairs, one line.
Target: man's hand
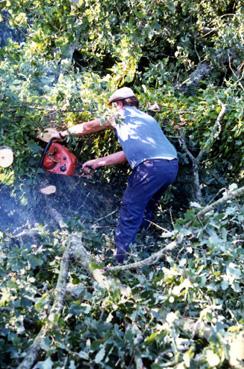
{"points": [[112, 159], [56, 135], [91, 165], [48, 134]]}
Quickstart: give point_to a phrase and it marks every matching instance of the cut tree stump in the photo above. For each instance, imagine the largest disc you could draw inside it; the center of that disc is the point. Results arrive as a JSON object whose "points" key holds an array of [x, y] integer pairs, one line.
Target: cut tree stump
{"points": [[6, 156]]}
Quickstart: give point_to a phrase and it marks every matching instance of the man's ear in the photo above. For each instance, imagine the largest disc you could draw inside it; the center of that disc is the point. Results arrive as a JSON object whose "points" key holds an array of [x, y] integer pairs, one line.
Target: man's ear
{"points": [[119, 104]]}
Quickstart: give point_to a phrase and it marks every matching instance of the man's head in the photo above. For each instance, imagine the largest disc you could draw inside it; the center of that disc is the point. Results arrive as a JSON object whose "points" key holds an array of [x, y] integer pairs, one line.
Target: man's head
{"points": [[124, 97]]}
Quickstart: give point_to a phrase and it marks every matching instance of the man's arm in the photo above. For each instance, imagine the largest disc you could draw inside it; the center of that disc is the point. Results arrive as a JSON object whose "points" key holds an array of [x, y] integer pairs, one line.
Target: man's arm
{"points": [[112, 159], [83, 129]]}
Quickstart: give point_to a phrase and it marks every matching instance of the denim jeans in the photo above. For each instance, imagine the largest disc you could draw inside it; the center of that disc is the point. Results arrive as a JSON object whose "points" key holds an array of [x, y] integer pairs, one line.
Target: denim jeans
{"points": [[146, 184]]}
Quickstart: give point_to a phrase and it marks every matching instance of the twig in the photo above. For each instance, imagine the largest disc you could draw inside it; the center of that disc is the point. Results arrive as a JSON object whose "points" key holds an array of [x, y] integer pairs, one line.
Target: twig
{"points": [[106, 216], [170, 364], [230, 66], [215, 132], [212, 30], [195, 48], [157, 226]]}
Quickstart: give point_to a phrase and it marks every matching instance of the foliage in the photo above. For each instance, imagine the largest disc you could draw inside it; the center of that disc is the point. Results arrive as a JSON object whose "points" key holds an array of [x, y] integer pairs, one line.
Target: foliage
{"points": [[145, 324], [68, 57]]}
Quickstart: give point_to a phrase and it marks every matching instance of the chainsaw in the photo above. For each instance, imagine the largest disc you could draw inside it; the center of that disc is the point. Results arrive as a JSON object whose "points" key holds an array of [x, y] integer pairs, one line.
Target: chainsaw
{"points": [[58, 159]]}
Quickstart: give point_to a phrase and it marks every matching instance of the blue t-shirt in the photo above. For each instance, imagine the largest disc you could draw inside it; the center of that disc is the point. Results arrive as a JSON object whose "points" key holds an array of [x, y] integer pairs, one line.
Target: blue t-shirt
{"points": [[141, 137]]}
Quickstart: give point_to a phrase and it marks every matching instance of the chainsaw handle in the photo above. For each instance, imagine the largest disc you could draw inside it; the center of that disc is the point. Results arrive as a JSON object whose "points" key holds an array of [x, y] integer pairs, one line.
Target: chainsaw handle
{"points": [[93, 172], [46, 150], [88, 174], [90, 167]]}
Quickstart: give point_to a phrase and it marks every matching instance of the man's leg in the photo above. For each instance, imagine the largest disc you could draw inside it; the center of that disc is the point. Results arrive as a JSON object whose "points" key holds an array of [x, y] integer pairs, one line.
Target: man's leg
{"points": [[145, 180], [151, 207]]}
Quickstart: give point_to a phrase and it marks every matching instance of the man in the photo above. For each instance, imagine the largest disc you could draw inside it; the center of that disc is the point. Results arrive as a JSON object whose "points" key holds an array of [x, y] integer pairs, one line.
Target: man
{"points": [[152, 157]]}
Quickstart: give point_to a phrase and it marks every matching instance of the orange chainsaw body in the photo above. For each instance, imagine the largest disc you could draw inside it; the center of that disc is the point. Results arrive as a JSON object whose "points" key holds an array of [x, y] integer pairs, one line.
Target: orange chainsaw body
{"points": [[58, 159]]}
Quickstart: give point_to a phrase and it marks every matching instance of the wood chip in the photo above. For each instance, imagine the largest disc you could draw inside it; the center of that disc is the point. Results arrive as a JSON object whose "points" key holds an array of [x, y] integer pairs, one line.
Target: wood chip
{"points": [[49, 190], [6, 156]]}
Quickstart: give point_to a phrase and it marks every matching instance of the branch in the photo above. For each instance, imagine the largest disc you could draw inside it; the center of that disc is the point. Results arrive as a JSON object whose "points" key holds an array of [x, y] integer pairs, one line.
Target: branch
{"points": [[202, 71], [197, 328], [57, 217], [148, 261], [185, 148], [214, 132], [60, 290], [230, 195], [196, 160], [195, 167], [59, 293], [90, 264], [233, 340]]}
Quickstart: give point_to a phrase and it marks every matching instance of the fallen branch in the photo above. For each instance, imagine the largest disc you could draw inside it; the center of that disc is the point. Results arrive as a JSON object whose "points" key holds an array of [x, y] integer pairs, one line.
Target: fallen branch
{"points": [[57, 217], [228, 196], [59, 293], [90, 264], [145, 262]]}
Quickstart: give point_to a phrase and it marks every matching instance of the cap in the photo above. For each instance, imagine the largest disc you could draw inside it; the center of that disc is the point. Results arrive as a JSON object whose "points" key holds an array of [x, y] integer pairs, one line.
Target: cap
{"points": [[121, 94]]}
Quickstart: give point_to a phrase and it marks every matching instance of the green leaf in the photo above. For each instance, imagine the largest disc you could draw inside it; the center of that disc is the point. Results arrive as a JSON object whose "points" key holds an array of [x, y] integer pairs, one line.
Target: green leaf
{"points": [[212, 359], [150, 339], [83, 355], [224, 285], [46, 364], [94, 266], [100, 355]]}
